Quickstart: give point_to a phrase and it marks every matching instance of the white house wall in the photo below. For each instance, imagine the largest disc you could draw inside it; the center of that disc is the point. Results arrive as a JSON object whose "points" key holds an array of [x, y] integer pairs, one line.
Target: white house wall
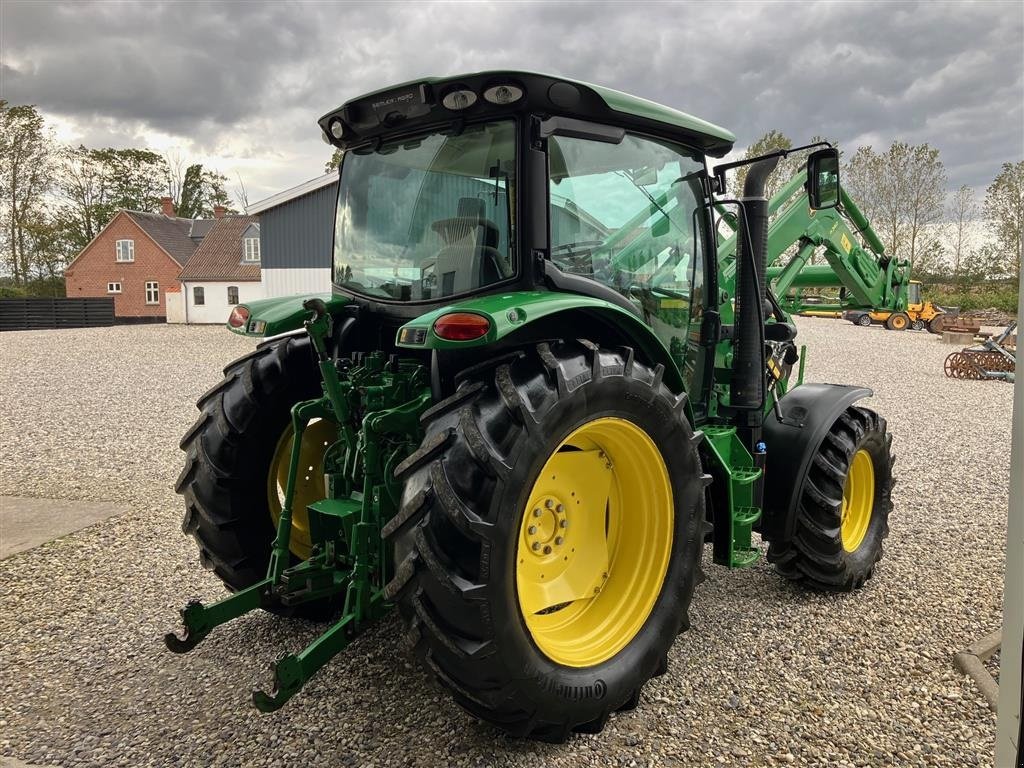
{"points": [[215, 309], [291, 280]]}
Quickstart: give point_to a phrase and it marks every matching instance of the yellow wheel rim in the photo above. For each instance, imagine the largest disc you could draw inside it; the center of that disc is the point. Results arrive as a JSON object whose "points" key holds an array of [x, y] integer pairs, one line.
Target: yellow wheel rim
{"points": [[858, 500], [309, 483], [594, 542], [899, 322]]}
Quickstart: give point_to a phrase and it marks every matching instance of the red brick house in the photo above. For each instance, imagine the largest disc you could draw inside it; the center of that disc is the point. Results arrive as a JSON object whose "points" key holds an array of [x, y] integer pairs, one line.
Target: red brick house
{"points": [[136, 258]]}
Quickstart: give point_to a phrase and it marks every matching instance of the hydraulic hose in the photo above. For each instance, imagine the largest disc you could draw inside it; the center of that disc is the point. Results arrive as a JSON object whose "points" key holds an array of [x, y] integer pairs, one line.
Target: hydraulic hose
{"points": [[747, 388]]}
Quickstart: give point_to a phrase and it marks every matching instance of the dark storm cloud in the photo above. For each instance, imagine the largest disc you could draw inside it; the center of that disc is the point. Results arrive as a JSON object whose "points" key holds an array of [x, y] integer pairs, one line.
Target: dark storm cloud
{"points": [[947, 73]]}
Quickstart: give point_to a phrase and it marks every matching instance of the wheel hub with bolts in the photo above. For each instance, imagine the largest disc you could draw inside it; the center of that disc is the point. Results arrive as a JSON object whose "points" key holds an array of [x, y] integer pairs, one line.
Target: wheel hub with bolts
{"points": [[547, 527]]}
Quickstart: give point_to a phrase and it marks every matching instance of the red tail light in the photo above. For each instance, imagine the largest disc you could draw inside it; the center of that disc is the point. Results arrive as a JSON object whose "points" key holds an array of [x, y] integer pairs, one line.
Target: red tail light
{"points": [[461, 326], [239, 317]]}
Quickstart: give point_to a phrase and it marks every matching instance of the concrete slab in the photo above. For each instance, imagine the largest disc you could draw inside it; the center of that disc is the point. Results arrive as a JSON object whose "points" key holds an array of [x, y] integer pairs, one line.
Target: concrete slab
{"points": [[26, 523]]}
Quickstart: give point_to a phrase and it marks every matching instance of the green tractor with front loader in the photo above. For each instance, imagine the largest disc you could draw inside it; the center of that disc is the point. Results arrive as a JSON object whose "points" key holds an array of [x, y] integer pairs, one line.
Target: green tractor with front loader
{"points": [[531, 399]]}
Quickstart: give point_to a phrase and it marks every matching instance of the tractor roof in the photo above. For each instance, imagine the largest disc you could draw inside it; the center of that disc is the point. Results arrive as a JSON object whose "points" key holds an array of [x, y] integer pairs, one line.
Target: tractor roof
{"points": [[419, 100]]}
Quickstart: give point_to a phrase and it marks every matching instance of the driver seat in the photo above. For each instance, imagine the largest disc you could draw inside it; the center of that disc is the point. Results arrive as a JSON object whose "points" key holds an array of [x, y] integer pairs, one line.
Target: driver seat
{"points": [[470, 256]]}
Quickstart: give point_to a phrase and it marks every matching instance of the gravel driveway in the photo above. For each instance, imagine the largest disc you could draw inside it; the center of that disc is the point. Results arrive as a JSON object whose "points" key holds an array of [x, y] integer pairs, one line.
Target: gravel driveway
{"points": [[770, 674]]}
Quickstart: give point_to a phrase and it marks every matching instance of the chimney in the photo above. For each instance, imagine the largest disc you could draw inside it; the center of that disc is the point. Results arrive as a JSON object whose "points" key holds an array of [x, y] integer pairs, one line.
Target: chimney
{"points": [[168, 206], [219, 211]]}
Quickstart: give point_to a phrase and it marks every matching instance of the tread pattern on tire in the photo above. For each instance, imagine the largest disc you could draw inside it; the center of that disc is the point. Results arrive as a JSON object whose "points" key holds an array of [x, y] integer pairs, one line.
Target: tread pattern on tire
{"points": [[815, 556], [224, 477], [443, 539]]}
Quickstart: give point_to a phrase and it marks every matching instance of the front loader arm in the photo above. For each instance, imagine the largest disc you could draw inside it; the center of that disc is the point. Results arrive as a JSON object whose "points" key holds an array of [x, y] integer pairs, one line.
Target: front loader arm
{"points": [[872, 278]]}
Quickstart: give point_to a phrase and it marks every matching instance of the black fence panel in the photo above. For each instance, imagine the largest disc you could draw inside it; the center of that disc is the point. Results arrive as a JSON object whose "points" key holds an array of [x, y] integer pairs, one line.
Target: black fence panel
{"points": [[36, 314]]}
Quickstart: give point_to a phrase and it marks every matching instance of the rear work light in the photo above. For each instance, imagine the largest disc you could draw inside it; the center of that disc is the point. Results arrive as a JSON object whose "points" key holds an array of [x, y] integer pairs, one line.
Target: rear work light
{"points": [[460, 99], [461, 326], [239, 317], [503, 94]]}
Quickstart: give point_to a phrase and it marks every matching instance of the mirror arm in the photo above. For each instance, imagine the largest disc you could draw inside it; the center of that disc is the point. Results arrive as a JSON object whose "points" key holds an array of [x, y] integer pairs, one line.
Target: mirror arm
{"points": [[719, 170]]}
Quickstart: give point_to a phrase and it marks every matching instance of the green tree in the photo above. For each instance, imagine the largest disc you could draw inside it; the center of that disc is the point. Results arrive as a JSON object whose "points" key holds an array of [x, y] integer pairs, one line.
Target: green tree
{"points": [[1004, 207], [26, 153], [201, 190], [334, 162], [94, 184], [902, 192]]}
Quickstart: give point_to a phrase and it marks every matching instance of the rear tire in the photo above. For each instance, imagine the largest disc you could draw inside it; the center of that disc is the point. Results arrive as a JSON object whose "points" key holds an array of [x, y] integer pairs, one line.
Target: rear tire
{"points": [[826, 552], [457, 537], [863, 320], [918, 325], [228, 454]]}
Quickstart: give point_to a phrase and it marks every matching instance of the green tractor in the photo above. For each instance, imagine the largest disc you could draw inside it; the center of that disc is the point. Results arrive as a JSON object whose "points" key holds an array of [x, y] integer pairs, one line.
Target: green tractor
{"points": [[530, 401]]}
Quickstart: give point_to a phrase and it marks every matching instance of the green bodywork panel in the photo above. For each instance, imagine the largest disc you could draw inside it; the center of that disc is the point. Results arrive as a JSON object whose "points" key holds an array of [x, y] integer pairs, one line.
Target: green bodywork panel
{"points": [[510, 312], [719, 140], [270, 317]]}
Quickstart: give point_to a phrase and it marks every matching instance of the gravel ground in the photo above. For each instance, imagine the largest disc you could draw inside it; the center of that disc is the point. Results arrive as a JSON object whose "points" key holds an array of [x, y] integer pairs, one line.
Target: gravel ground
{"points": [[770, 674]]}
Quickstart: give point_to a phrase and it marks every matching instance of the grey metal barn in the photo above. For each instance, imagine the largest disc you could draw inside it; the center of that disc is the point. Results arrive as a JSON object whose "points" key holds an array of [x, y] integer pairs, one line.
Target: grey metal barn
{"points": [[296, 234]]}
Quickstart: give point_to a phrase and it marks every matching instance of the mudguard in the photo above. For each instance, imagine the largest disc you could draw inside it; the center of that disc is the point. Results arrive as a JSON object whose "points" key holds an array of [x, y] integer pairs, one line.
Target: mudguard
{"points": [[281, 314], [808, 412], [511, 313]]}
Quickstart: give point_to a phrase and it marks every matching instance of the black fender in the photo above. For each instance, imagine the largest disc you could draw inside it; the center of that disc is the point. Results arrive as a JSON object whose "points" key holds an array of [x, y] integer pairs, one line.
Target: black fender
{"points": [[808, 412]]}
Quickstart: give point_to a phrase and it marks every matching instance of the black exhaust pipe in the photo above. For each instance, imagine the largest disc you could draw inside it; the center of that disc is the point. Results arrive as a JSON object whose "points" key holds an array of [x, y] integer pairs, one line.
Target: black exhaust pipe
{"points": [[748, 359]]}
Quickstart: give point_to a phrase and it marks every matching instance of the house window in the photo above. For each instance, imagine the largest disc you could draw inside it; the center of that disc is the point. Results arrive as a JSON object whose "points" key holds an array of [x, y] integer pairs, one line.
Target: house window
{"points": [[198, 296], [125, 250], [252, 249], [152, 292], [232, 294], [113, 287]]}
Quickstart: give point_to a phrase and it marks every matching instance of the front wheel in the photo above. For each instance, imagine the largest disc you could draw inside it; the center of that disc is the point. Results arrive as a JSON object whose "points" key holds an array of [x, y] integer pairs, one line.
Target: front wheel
{"points": [[897, 321], [918, 325], [549, 538], [863, 320], [843, 509]]}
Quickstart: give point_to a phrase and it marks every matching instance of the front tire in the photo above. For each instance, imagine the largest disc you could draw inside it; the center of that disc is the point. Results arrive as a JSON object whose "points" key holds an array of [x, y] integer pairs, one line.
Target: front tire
{"points": [[844, 506], [897, 321], [504, 464], [863, 320]]}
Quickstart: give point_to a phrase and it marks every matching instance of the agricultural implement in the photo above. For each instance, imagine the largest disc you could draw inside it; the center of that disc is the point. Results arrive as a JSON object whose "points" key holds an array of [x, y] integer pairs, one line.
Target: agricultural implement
{"points": [[993, 359], [534, 394], [873, 286]]}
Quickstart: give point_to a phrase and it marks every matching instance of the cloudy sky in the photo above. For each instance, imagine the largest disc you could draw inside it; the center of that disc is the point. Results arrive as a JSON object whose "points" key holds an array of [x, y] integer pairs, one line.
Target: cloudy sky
{"points": [[240, 85]]}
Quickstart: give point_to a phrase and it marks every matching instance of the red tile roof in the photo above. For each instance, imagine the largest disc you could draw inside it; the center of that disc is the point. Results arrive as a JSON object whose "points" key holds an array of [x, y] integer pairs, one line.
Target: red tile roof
{"points": [[219, 256]]}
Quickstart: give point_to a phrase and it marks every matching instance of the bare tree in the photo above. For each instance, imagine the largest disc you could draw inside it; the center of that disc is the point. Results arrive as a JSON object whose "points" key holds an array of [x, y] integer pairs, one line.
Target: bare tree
{"points": [[963, 208], [241, 194], [902, 192]]}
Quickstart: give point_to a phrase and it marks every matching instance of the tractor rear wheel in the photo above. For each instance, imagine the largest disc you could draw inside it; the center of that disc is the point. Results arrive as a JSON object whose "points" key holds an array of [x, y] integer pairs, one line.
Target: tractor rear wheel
{"points": [[549, 537], [233, 463], [897, 321], [844, 506]]}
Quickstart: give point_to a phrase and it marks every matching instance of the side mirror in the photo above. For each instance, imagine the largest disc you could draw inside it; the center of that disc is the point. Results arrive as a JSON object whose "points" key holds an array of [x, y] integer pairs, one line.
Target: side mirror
{"points": [[823, 178]]}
